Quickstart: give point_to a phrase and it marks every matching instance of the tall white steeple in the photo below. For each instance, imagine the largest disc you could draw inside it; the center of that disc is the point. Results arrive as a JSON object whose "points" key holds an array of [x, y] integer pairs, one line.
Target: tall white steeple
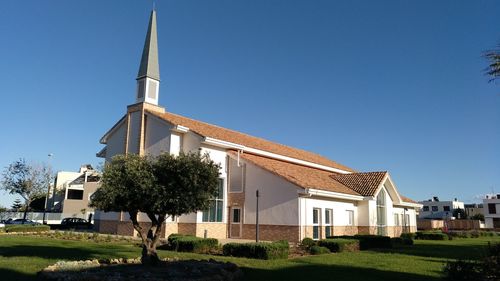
{"points": [[148, 78]]}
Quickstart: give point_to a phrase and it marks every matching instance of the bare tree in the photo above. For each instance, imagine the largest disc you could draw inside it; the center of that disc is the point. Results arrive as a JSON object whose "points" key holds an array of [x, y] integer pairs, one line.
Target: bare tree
{"points": [[26, 180]]}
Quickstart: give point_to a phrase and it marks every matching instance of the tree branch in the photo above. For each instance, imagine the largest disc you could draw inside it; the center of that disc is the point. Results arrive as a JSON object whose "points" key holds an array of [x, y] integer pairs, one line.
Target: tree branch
{"points": [[137, 226]]}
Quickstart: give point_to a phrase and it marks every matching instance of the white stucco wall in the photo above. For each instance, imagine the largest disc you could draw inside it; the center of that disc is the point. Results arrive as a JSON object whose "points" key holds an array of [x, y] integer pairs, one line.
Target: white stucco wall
{"points": [[116, 142], [339, 208], [278, 201], [133, 134], [191, 142], [157, 138]]}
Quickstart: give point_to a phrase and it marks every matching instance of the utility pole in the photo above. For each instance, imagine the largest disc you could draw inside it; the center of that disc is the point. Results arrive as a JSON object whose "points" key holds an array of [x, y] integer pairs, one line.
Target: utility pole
{"points": [[257, 217], [48, 190]]}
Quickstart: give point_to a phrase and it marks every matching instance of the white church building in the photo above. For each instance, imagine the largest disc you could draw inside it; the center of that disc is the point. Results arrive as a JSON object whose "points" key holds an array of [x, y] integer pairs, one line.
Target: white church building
{"points": [[301, 194]]}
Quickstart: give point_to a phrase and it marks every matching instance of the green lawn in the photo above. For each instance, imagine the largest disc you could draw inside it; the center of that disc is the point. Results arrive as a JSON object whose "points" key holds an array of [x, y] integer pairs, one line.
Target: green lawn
{"points": [[22, 256]]}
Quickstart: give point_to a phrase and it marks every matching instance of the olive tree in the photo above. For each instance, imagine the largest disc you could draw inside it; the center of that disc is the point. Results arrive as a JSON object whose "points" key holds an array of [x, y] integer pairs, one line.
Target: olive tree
{"points": [[493, 69], [26, 180], [159, 187]]}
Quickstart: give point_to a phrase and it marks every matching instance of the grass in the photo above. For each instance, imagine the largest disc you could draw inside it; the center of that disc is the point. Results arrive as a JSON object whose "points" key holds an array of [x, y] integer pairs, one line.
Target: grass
{"points": [[22, 256]]}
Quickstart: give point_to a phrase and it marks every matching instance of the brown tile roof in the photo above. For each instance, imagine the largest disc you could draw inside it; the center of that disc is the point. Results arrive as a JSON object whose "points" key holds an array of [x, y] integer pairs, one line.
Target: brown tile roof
{"points": [[363, 183], [406, 199], [303, 176], [216, 132]]}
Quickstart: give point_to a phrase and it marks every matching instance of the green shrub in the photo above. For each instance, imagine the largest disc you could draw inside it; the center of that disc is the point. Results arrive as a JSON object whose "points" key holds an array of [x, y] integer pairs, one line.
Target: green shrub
{"points": [[318, 250], [431, 235], [463, 270], [261, 250], [340, 244], [369, 241], [26, 228], [407, 235], [307, 243], [188, 243], [397, 241]]}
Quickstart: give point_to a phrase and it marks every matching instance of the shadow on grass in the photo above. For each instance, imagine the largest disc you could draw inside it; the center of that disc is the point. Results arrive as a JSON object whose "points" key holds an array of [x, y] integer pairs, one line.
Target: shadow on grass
{"points": [[8, 274], [49, 252], [330, 272], [450, 251]]}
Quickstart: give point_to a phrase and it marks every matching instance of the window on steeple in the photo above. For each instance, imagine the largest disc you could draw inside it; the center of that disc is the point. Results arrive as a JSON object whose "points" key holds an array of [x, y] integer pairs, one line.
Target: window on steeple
{"points": [[152, 89], [140, 89]]}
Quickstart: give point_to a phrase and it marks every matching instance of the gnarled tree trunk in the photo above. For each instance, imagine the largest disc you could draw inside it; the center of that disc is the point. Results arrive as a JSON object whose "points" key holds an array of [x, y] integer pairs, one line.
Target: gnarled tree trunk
{"points": [[150, 238]]}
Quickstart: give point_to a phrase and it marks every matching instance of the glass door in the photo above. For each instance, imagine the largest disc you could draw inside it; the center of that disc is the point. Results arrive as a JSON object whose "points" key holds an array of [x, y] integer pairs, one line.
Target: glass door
{"points": [[235, 223]]}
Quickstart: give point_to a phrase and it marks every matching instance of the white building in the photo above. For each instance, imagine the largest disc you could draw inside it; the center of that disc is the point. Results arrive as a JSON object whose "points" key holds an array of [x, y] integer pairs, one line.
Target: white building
{"points": [[435, 209], [71, 192], [302, 194], [491, 207]]}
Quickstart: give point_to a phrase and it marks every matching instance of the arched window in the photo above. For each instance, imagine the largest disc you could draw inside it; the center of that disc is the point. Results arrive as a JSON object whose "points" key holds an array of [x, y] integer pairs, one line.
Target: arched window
{"points": [[381, 213]]}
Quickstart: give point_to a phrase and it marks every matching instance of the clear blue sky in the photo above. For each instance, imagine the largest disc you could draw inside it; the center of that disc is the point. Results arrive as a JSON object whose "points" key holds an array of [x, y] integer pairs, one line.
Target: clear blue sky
{"points": [[375, 85]]}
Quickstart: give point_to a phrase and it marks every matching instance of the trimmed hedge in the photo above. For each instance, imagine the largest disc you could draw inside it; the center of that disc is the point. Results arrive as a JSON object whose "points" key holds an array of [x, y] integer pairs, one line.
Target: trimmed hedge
{"points": [[431, 235], [26, 228], [369, 241], [398, 242], [408, 235], [317, 250], [261, 250], [340, 244], [188, 243]]}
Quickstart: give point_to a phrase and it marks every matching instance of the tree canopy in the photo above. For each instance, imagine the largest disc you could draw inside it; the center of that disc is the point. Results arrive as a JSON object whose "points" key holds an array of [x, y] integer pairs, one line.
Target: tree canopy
{"points": [[161, 186], [493, 69], [27, 180]]}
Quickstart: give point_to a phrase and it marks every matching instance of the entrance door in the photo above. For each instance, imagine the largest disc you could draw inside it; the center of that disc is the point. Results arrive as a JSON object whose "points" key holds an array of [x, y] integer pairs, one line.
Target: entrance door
{"points": [[235, 223]]}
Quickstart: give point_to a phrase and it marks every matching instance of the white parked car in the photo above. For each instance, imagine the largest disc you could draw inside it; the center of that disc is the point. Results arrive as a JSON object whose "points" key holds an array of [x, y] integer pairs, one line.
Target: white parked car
{"points": [[23, 221]]}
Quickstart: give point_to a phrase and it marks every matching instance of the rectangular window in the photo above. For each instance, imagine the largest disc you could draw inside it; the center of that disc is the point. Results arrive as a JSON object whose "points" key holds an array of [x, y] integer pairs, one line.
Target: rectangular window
{"points": [[316, 220], [492, 208], [426, 208], [328, 222], [236, 215], [75, 194], [350, 217], [140, 89], [396, 220], [407, 220], [214, 212], [236, 176], [434, 208], [446, 208], [151, 90]]}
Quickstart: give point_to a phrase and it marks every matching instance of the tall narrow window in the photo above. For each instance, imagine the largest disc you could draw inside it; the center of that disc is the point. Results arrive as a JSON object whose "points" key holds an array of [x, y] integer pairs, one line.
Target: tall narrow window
{"points": [[140, 89], [381, 213], [328, 222], [350, 217], [214, 212], [151, 89], [396, 220], [316, 221], [236, 176]]}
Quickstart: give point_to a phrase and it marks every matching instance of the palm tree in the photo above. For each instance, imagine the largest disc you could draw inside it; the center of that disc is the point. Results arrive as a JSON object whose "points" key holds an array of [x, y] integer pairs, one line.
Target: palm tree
{"points": [[493, 69]]}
